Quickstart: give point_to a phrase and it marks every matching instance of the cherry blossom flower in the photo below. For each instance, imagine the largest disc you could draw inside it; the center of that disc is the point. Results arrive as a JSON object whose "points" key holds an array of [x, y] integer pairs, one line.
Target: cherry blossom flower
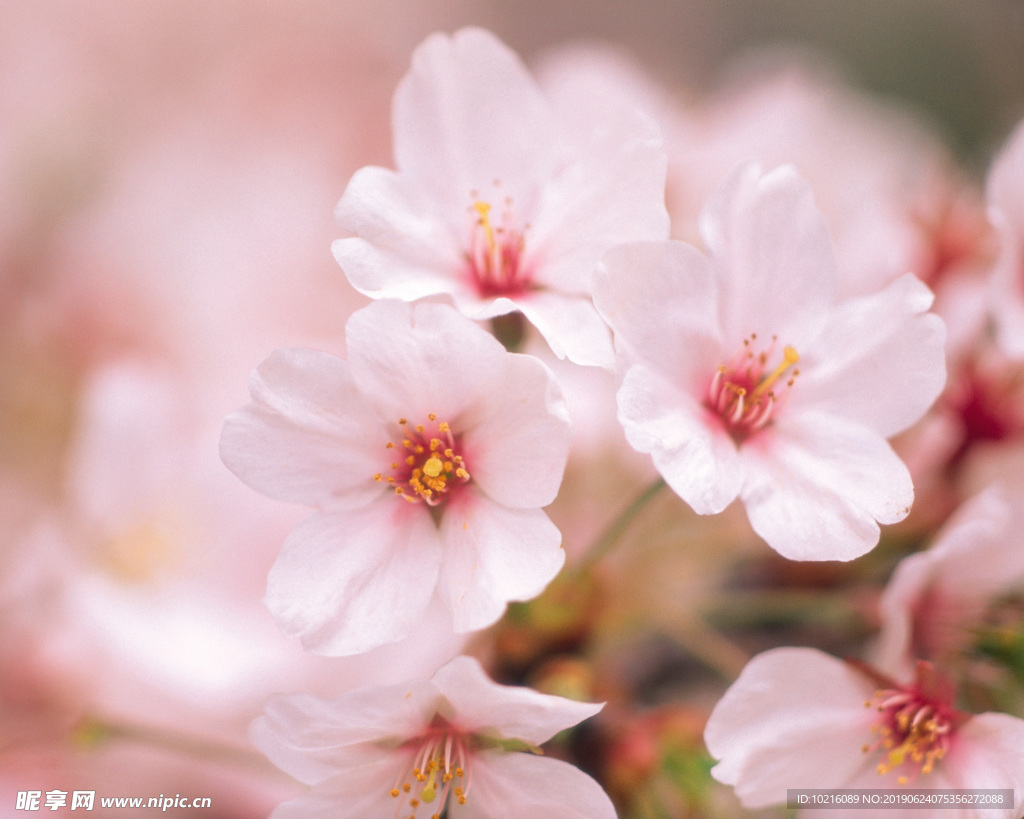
{"points": [[744, 377], [428, 454], [493, 203], [458, 740], [875, 170], [798, 718], [936, 596], [1005, 196]]}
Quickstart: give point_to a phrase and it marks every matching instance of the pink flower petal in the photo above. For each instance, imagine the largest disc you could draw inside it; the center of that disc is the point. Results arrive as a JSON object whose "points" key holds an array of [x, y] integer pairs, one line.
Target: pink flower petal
{"points": [[795, 718], [774, 263], [815, 490], [690, 449], [412, 360], [360, 792], [879, 360], [468, 113], [307, 435], [681, 337], [506, 711], [520, 784], [400, 247], [613, 192], [347, 583], [312, 738], [988, 752], [493, 555], [517, 453], [571, 326]]}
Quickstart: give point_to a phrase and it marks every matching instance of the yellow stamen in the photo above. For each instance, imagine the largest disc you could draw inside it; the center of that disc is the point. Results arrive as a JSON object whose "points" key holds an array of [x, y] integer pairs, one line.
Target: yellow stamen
{"points": [[483, 208], [789, 358]]}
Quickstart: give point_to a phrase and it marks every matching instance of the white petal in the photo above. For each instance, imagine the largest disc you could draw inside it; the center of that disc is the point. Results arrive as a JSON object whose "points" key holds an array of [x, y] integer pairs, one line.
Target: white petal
{"points": [[988, 752], [398, 245], [505, 711], [492, 555], [467, 113], [660, 300], [691, 450], [309, 436], [879, 360], [795, 718], [412, 360], [359, 793], [772, 254], [571, 326], [815, 487], [524, 785], [314, 739], [517, 454], [614, 192], [347, 583]]}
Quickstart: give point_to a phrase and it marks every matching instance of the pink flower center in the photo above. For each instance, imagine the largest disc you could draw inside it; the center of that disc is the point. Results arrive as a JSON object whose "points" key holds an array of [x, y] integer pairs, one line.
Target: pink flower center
{"points": [[438, 770], [744, 393], [495, 255], [913, 730], [431, 466]]}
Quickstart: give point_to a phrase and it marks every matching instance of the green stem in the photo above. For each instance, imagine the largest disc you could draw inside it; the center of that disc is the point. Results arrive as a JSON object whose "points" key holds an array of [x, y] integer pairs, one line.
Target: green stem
{"points": [[617, 528]]}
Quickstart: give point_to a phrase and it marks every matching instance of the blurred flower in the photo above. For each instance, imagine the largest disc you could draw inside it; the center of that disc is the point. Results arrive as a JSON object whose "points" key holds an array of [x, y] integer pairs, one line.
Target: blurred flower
{"points": [[797, 433], [493, 204], [457, 741], [937, 596], [872, 167], [798, 718], [1005, 196], [428, 453]]}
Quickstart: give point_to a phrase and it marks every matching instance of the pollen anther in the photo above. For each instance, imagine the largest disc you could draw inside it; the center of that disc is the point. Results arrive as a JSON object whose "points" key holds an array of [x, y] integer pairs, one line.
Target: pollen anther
{"points": [[743, 395], [431, 468]]}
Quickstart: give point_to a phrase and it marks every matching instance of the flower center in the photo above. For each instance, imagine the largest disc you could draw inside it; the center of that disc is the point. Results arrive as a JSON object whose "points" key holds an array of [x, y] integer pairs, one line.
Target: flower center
{"points": [[430, 467], [438, 769], [495, 255], [744, 393], [913, 731]]}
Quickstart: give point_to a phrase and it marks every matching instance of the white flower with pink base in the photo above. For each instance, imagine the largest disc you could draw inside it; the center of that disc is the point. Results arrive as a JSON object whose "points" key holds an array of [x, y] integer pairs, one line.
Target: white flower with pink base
{"points": [[428, 454], [797, 718], [458, 741], [744, 377], [493, 203]]}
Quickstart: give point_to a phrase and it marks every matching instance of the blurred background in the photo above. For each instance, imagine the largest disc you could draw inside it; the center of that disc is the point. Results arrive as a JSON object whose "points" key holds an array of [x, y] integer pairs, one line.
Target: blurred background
{"points": [[168, 172]]}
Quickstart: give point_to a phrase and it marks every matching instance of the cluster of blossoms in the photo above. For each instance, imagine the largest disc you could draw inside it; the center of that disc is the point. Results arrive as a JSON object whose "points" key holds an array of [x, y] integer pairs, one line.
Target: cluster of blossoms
{"points": [[757, 361], [647, 456]]}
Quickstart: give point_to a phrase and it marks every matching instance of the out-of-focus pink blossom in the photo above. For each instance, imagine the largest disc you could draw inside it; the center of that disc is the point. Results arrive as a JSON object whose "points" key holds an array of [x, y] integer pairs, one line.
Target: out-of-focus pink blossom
{"points": [[428, 454], [937, 596], [493, 204], [797, 718], [872, 167], [458, 742], [163, 568], [1005, 196], [744, 377]]}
